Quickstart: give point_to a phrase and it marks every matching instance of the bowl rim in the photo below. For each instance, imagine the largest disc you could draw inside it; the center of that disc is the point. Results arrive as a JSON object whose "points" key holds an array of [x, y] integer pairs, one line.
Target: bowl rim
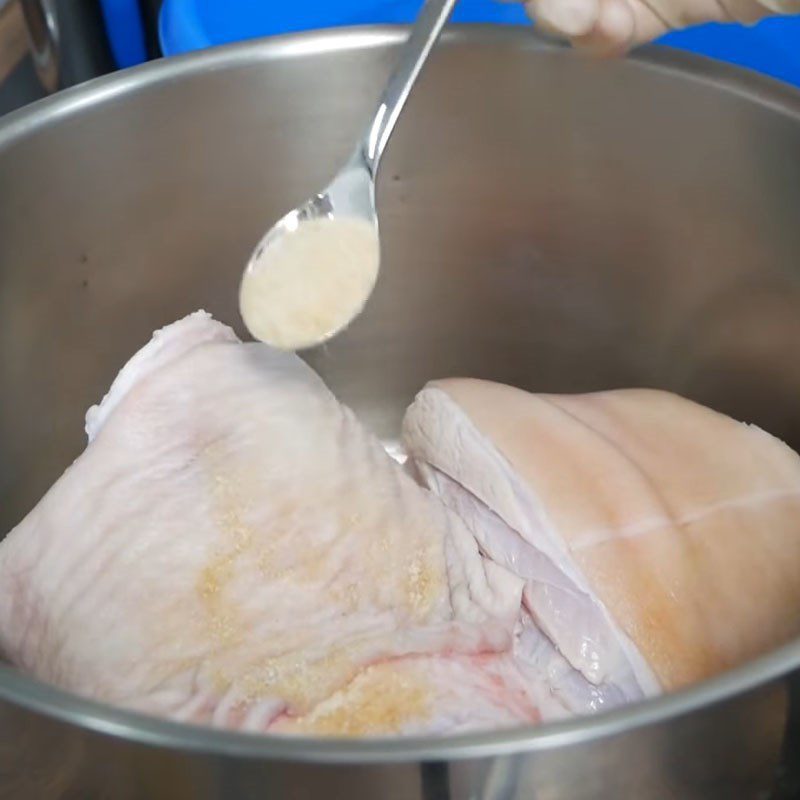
{"points": [[766, 91], [32, 695]]}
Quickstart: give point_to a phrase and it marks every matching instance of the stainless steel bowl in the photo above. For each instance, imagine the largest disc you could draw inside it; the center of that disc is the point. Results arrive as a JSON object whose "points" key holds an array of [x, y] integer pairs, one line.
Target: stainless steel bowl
{"points": [[547, 221]]}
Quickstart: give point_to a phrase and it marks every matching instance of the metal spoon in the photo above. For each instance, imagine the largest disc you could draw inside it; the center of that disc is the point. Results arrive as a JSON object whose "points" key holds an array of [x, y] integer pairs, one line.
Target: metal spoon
{"points": [[349, 197]]}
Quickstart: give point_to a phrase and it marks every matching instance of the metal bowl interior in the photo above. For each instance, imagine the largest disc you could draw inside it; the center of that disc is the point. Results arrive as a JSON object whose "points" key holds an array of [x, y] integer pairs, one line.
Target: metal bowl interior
{"points": [[546, 222]]}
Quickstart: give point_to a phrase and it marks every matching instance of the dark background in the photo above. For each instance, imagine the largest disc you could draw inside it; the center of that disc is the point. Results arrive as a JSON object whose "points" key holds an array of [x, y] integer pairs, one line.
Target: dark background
{"points": [[84, 51]]}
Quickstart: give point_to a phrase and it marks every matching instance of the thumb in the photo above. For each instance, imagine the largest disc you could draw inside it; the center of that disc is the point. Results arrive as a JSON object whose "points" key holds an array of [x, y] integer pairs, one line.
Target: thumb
{"points": [[603, 27]]}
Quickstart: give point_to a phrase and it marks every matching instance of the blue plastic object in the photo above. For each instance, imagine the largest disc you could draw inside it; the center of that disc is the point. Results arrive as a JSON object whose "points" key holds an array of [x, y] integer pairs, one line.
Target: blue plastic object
{"points": [[125, 31], [772, 47], [194, 24]]}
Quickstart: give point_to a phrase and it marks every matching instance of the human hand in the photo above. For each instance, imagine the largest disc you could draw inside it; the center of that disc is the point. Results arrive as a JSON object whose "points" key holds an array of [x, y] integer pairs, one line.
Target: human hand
{"points": [[611, 27]]}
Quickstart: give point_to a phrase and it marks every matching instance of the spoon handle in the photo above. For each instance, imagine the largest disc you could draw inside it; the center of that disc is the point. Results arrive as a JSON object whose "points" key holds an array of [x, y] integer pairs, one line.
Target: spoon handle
{"points": [[427, 27]]}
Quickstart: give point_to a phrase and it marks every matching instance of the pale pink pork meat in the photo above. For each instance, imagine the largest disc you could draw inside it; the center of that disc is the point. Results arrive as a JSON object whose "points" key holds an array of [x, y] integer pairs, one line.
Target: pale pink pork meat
{"points": [[233, 548], [659, 541]]}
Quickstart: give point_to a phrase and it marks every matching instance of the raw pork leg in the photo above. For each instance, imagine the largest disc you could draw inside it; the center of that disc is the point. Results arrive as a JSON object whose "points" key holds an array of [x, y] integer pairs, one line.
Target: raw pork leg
{"points": [[659, 541], [232, 548]]}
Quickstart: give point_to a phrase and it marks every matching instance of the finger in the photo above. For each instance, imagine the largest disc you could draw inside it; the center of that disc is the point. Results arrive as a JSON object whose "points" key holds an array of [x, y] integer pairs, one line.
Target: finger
{"points": [[606, 28], [680, 14], [648, 23], [567, 18], [749, 12], [613, 31]]}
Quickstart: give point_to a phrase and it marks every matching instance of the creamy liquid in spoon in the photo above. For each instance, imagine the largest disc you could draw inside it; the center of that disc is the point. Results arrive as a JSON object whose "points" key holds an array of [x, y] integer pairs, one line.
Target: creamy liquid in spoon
{"points": [[310, 282]]}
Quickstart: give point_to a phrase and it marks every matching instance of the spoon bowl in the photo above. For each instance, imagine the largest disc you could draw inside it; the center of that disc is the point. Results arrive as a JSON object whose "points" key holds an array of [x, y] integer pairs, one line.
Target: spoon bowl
{"points": [[315, 269], [313, 272]]}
